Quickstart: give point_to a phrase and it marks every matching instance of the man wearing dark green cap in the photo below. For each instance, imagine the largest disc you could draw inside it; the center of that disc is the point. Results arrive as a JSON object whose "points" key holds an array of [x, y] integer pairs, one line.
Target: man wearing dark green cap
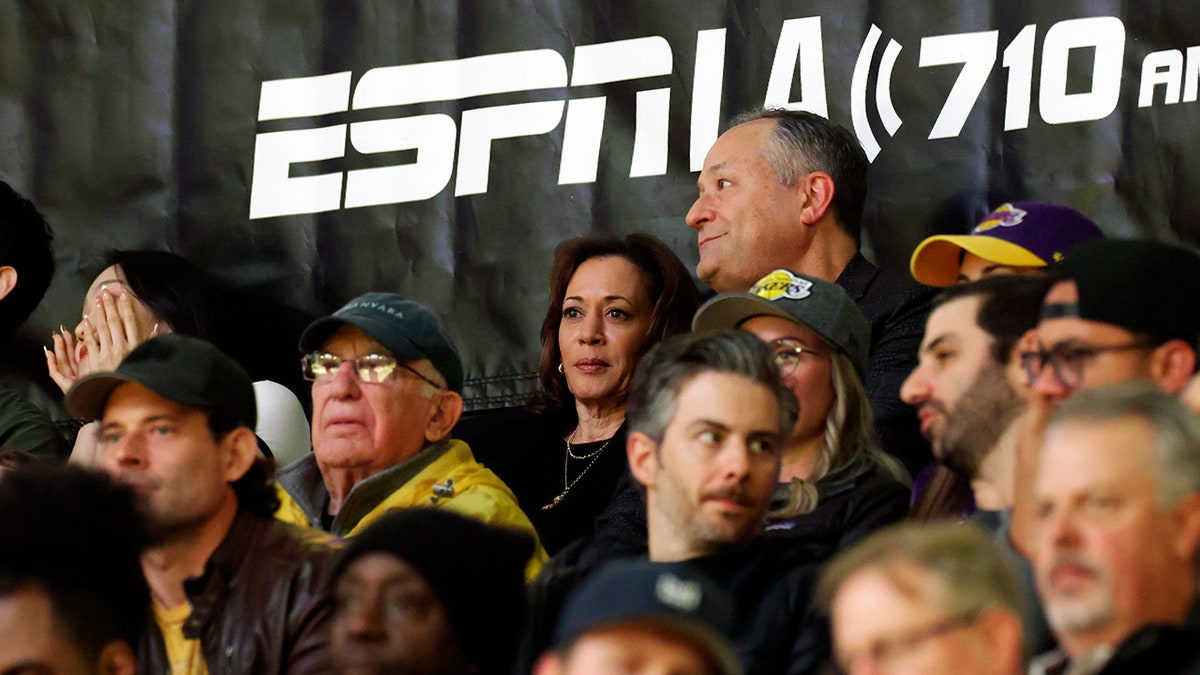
{"points": [[387, 390], [234, 590]]}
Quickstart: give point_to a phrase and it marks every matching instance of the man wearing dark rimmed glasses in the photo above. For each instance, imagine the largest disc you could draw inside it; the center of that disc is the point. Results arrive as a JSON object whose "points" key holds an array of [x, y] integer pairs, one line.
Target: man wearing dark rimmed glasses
{"points": [[1122, 310], [387, 390]]}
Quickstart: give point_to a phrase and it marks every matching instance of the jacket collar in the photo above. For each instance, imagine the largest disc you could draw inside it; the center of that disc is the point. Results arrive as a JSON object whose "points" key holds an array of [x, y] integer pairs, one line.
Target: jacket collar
{"points": [[206, 592], [304, 483], [856, 276], [370, 492]]}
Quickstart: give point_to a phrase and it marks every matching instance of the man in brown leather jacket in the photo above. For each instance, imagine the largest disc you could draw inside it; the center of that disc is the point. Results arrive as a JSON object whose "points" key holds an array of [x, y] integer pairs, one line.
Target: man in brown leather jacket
{"points": [[233, 590]]}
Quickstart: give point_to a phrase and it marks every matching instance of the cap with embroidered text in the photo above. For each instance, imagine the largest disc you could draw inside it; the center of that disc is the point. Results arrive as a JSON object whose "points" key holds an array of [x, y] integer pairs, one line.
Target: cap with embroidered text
{"points": [[406, 329], [822, 306]]}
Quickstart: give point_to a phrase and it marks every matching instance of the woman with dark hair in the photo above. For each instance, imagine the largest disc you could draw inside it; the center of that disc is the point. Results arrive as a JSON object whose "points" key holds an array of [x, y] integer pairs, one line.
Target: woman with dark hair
{"points": [[140, 294], [562, 455]]}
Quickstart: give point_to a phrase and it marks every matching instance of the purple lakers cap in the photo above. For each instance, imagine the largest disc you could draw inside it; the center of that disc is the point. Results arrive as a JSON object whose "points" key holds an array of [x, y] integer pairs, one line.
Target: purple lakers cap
{"points": [[1019, 234]]}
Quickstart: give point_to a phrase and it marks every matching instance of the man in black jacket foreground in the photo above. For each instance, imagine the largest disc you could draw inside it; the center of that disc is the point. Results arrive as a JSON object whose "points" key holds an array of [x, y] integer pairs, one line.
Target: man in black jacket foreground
{"points": [[233, 590]]}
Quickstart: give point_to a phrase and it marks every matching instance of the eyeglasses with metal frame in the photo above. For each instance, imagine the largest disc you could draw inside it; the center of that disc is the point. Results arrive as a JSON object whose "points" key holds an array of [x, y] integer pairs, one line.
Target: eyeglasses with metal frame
{"points": [[895, 646], [789, 353], [370, 368]]}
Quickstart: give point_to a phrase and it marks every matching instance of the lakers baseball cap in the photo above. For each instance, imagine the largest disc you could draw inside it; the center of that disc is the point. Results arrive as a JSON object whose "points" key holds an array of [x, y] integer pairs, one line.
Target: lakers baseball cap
{"points": [[406, 329], [668, 597], [1018, 234], [182, 369], [809, 301]]}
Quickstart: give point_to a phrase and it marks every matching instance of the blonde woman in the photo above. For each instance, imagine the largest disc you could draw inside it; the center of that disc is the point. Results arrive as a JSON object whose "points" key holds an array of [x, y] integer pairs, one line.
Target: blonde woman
{"points": [[836, 486]]}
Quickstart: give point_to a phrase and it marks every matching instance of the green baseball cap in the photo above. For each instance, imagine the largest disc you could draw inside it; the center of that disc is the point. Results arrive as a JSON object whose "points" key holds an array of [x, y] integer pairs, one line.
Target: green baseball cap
{"points": [[406, 329], [182, 369]]}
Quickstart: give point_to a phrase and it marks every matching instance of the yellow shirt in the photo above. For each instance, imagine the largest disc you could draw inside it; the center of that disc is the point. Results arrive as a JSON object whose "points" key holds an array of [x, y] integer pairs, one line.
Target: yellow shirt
{"points": [[185, 655]]}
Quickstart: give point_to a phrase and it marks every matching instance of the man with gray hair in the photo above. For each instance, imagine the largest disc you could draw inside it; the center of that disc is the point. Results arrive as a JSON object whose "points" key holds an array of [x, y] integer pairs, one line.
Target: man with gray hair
{"points": [[784, 189], [708, 414], [387, 389], [930, 599], [1117, 531]]}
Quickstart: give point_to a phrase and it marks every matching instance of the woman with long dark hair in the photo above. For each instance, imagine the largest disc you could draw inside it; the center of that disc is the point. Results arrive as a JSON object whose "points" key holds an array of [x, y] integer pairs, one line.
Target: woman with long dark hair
{"points": [[610, 301], [140, 294]]}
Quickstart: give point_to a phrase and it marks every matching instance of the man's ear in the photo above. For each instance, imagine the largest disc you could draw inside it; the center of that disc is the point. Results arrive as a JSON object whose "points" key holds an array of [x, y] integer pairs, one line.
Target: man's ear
{"points": [[816, 195], [241, 449], [642, 452], [8, 280], [445, 409], [1172, 365], [548, 664], [1015, 370], [1186, 514], [1005, 637], [116, 658]]}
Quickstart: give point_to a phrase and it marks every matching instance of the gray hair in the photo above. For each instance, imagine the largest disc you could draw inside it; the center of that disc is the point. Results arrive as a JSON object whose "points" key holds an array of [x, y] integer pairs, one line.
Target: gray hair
{"points": [[665, 369], [1176, 442], [804, 142], [426, 368], [972, 572]]}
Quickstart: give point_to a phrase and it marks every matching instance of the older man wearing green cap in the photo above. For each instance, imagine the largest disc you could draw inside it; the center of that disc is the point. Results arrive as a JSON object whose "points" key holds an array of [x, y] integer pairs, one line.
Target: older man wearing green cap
{"points": [[387, 389]]}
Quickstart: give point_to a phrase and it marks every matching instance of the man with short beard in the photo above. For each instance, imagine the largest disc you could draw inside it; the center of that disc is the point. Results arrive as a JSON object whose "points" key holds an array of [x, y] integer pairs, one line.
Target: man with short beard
{"points": [[966, 386], [983, 414], [708, 415], [968, 390], [1117, 532]]}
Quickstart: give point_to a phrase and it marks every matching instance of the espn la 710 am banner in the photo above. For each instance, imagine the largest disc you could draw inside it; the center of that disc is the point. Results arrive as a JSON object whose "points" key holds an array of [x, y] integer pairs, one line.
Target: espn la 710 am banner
{"points": [[311, 151]]}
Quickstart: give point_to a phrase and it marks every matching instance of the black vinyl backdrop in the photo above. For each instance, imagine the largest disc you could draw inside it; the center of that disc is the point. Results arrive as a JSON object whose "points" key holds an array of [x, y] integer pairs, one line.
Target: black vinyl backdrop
{"points": [[310, 151]]}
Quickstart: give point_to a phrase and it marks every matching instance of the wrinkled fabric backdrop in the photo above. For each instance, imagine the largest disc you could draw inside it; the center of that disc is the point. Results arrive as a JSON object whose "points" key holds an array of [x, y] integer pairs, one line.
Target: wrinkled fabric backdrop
{"points": [[307, 152]]}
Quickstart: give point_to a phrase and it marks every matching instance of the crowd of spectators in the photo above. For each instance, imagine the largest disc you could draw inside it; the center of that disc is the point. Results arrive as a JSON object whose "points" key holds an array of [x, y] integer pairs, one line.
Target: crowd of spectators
{"points": [[825, 467]]}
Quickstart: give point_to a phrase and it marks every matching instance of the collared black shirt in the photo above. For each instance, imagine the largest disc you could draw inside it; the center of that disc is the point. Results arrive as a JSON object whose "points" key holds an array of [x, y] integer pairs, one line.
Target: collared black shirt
{"points": [[896, 307]]}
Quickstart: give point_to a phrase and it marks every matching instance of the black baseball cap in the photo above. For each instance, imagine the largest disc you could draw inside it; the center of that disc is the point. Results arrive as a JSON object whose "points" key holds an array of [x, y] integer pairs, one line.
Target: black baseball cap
{"points": [[182, 369], [406, 329], [668, 597], [1140, 285]]}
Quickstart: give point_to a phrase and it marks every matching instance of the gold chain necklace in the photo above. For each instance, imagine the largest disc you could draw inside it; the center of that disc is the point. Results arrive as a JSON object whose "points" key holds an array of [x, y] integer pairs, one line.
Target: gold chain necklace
{"points": [[594, 455]]}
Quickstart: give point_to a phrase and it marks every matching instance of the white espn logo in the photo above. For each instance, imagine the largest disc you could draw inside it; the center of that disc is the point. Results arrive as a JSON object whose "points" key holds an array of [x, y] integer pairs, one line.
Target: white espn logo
{"points": [[799, 59], [435, 137]]}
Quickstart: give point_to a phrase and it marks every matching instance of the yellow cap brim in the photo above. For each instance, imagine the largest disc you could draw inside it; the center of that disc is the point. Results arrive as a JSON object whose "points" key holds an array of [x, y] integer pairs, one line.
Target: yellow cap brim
{"points": [[935, 261]]}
